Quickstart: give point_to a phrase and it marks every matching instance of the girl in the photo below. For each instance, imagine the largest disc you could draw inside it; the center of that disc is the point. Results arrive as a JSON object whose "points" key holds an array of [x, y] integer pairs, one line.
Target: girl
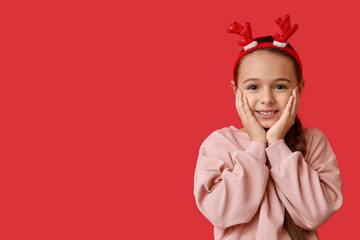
{"points": [[271, 179]]}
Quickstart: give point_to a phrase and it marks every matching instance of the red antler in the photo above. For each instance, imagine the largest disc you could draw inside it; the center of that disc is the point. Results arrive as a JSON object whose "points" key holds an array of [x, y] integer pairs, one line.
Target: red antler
{"points": [[245, 32], [286, 29]]}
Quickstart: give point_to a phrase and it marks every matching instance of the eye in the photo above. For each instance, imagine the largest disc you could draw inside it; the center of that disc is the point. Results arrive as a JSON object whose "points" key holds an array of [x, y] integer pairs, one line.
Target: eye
{"points": [[281, 87], [252, 87]]}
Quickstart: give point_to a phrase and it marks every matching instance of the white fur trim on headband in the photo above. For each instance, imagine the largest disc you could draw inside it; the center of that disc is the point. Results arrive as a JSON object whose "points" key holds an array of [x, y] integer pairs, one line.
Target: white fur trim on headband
{"points": [[251, 45], [279, 44]]}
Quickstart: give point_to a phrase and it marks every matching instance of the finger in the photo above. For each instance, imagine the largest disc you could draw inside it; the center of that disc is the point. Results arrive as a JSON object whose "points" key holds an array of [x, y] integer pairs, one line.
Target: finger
{"points": [[295, 103], [298, 99], [239, 103], [247, 109], [242, 103], [293, 107], [289, 106], [238, 99]]}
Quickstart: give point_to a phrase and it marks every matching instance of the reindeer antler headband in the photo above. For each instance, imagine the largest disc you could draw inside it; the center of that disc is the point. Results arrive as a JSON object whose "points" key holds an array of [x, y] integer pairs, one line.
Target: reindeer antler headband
{"points": [[280, 40]]}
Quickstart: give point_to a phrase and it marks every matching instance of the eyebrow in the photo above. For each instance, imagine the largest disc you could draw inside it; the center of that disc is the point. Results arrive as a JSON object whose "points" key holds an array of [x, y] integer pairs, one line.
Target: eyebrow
{"points": [[276, 79]]}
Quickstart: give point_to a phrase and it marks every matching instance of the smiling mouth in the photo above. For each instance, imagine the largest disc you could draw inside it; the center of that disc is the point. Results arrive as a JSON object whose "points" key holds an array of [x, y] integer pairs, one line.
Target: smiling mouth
{"points": [[267, 114]]}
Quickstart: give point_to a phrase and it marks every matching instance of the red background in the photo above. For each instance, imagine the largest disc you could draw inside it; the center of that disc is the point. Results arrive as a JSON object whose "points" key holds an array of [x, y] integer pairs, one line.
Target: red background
{"points": [[104, 105]]}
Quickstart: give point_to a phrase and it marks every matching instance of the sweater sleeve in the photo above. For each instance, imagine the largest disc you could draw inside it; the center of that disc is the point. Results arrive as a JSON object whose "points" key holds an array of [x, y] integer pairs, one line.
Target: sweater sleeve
{"points": [[310, 188], [229, 186]]}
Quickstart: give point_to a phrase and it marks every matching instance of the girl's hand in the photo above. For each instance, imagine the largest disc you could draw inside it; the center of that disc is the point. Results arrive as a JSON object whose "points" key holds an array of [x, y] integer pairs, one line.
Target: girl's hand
{"points": [[286, 120], [254, 129]]}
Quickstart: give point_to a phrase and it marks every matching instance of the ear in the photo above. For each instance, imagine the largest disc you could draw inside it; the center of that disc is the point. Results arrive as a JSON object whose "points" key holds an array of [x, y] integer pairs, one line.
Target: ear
{"points": [[301, 86], [233, 87]]}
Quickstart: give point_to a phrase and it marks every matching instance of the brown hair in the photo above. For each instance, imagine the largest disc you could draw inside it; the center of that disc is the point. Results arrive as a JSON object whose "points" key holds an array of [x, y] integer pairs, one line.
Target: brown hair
{"points": [[294, 138]]}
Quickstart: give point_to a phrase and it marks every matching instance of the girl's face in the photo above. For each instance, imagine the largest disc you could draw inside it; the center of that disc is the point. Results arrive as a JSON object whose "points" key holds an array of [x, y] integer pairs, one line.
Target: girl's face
{"points": [[267, 80]]}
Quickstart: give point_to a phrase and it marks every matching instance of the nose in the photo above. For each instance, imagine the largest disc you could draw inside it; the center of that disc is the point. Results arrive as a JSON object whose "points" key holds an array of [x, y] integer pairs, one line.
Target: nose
{"points": [[267, 97]]}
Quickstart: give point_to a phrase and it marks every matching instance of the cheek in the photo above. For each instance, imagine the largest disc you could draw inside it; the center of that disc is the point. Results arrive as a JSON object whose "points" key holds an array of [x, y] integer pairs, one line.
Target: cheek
{"points": [[251, 100], [283, 100]]}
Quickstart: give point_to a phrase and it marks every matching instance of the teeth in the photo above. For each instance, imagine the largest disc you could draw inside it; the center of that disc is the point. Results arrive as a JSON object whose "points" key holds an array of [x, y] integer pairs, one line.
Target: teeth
{"points": [[267, 113]]}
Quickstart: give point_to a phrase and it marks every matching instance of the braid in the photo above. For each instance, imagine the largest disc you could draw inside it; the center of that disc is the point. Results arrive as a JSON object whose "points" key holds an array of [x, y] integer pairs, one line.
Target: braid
{"points": [[295, 140]]}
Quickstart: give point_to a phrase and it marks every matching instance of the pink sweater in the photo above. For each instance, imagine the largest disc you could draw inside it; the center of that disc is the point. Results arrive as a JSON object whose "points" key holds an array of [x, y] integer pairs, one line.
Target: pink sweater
{"points": [[244, 199]]}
